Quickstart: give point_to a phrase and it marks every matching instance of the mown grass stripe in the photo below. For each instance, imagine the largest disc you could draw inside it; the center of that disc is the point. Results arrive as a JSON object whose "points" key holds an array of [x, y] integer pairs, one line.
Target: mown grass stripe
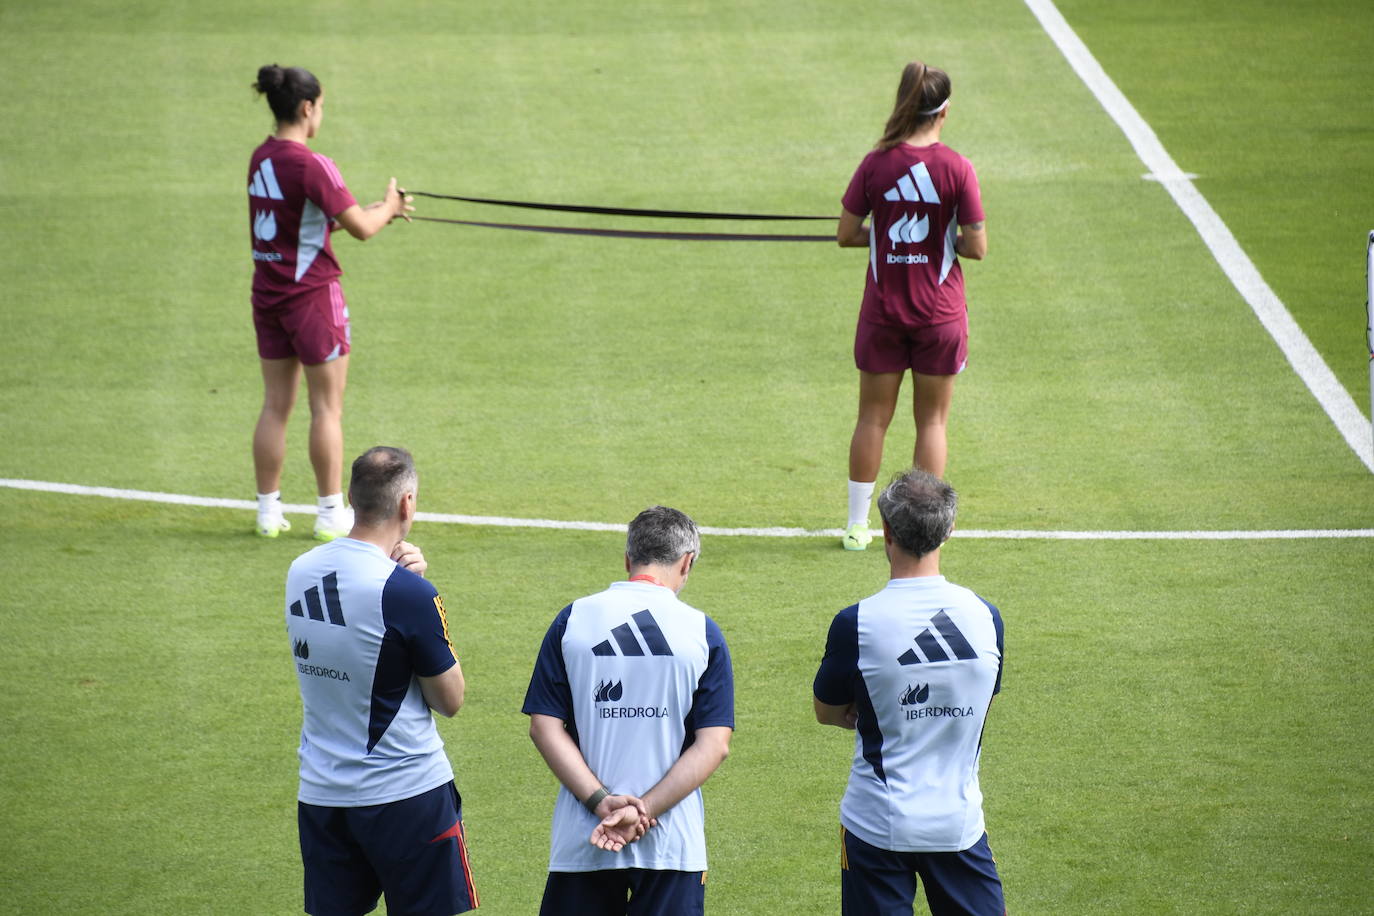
{"points": [[1235, 263]]}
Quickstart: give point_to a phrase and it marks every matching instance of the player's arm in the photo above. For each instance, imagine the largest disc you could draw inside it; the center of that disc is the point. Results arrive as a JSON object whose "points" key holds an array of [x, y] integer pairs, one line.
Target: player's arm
{"points": [[707, 752], [852, 233], [972, 241], [364, 222], [444, 692], [565, 760], [840, 716]]}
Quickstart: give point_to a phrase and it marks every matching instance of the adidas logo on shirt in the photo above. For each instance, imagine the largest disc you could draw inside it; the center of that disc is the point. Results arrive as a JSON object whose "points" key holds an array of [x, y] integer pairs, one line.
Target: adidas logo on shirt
{"points": [[332, 604], [264, 183], [625, 639], [931, 647], [915, 186]]}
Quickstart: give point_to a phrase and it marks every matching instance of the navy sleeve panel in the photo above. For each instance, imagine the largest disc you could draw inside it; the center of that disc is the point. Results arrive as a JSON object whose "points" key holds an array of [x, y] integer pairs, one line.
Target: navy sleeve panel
{"points": [[713, 702], [390, 683], [549, 693], [413, 610], [1001, 648], [867, 727], [839, 671]]}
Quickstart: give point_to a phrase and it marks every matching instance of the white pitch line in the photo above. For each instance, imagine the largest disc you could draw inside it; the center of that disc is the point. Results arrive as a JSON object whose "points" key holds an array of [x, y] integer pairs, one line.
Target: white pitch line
{"points": [[496, 521], [1235, 263]]}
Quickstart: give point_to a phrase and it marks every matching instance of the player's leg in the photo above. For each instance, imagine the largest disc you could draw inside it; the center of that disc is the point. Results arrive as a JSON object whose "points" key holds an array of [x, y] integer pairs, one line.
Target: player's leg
{"points": [[877, 403], [418, 849], [931, 397], [323, 341], [339, 880], [667, 893], [873, 881], [880, 355], [938, 354], [326, 383], [576, 893], [280, 380], [962, 883]]}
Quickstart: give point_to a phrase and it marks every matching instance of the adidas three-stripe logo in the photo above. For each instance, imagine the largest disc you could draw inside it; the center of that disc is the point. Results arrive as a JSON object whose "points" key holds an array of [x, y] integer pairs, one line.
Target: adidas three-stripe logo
{"points": [[930, 646], [264, 182], [624, 637], [915, 186], [332, 604]]}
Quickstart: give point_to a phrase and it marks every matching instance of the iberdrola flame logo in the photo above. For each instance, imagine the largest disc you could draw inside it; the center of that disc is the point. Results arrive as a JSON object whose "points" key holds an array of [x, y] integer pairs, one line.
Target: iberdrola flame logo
{"points": [[913, 695], [606, 690]]}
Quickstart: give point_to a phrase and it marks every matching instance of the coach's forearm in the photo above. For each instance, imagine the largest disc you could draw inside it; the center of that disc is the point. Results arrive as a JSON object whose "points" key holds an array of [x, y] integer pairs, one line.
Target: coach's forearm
{"points": [[692, 769], [563, 756], [839, 716]]}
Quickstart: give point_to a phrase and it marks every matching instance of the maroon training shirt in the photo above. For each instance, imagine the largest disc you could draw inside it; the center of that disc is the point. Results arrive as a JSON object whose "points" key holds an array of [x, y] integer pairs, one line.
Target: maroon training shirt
{"points": [[919, 196], [293, 196]]}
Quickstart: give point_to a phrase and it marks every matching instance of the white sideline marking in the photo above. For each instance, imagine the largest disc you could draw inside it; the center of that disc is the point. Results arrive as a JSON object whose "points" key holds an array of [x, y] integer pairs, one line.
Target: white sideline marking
{"points": [[1235, 263], [496, 521]]}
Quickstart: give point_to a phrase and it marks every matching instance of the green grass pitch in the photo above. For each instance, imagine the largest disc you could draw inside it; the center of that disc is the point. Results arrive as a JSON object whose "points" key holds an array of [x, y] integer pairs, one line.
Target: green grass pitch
{"points": [[1184, 726]]}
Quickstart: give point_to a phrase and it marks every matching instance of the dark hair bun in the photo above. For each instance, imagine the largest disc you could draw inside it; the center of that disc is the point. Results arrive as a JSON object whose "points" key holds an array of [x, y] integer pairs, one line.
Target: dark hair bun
{"points": [[286, 88], [270, 77]]}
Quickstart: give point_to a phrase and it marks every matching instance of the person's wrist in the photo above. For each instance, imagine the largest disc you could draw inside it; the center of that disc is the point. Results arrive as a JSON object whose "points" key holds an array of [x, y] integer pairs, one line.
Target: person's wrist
{"points": [[595, 799]]}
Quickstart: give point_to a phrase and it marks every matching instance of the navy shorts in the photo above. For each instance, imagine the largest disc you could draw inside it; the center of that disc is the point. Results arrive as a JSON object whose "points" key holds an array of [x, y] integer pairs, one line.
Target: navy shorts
{"points": [[625, 892], [412, 850], [941, 349], [878, 882]]}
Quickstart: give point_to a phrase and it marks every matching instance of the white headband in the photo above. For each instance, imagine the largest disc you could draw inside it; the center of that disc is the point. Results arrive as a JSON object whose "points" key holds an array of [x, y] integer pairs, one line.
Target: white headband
{"points": [[937, 109]]}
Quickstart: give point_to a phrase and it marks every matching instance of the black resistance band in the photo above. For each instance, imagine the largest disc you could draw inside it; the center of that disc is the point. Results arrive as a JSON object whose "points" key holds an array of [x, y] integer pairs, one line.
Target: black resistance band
{"points": [[637, 233], [618, 211]]}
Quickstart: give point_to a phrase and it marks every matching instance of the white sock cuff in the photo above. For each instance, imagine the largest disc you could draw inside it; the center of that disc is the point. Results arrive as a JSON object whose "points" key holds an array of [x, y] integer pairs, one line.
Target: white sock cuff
{"points": [[860, 499], [332, 501]]}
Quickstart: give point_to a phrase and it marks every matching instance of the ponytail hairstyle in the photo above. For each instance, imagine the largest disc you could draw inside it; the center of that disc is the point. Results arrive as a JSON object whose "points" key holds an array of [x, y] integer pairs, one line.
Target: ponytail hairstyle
{"points": [[286, 88], [921, 95]]}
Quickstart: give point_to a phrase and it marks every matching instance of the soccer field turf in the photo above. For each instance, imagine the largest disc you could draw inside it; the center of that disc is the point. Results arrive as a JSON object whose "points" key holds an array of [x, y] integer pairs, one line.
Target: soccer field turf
{"points": [[1184, 725]]}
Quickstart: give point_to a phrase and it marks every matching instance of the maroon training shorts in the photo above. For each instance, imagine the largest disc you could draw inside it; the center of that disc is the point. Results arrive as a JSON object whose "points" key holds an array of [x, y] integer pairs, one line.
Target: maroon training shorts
{"points": [[313, 327], [941, 349]]}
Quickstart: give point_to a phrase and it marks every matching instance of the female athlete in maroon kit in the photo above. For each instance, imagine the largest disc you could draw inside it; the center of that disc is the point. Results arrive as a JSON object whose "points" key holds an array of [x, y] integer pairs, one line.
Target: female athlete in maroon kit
{"points": [[295, 199], [927, 212]]}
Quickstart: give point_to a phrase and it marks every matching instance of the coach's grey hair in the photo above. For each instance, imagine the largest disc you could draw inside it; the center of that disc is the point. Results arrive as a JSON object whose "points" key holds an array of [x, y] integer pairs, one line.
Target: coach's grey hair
{"points": [[661, 536], [381, 476], [919, 510]]}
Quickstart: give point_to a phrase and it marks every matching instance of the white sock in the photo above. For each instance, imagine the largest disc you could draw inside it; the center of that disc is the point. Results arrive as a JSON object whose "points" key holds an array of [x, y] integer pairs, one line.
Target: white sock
{"points": [[331, 503], [860, 495], [269, 503]]}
